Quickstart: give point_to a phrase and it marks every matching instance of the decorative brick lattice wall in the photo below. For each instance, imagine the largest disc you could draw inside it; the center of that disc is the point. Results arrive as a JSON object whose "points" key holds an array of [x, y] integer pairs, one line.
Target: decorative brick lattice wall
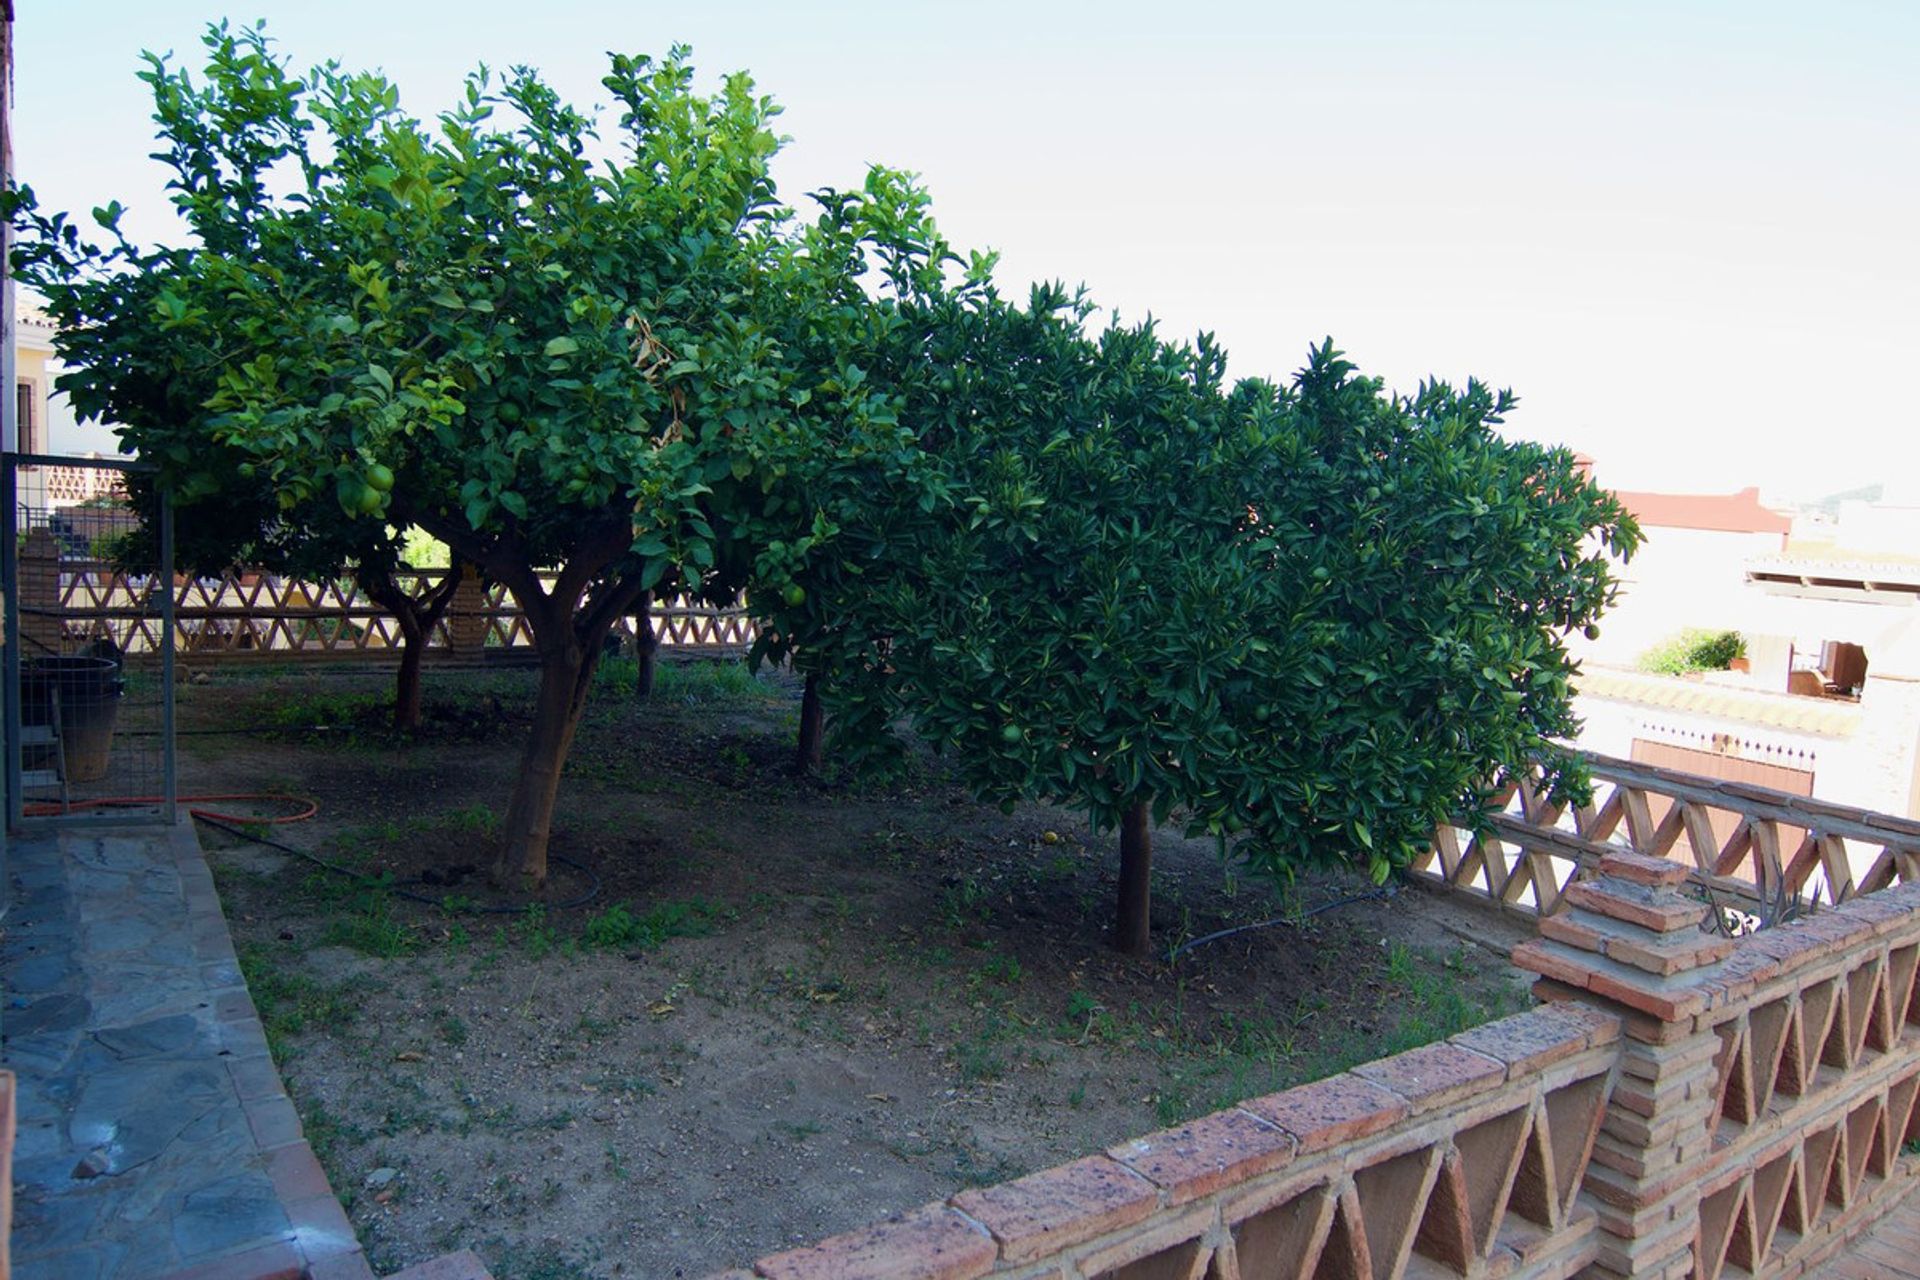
{"points": [[1463, 1158], [1746, 842], [1684, 1105]]}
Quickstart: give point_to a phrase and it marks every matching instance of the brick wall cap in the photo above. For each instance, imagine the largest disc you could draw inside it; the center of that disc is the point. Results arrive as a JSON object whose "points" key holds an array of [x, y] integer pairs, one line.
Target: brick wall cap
{"points": [[1905, 895], [1059, 1207], [1660, 910], [1201, 1157], [1641, 869], [1883, 915], [1831, 930], [1574, 928], [1529, 1041], [1327, 1112], [1671, 953], [1667, 999], [1434, 1074], [929, 1243]]}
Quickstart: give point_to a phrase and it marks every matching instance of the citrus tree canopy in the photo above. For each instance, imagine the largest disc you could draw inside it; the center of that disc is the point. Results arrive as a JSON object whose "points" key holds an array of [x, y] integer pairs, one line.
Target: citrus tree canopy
{"points": [[1313, 619], [547, 349]]}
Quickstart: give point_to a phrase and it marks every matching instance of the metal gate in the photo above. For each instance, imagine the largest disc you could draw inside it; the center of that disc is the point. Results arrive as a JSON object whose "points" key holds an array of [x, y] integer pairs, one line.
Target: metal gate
{"points": [[89, 644]]}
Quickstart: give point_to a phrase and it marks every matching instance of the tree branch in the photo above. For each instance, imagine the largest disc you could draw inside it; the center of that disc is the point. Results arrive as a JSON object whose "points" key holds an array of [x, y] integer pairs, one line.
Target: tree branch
{"points": [[612, 602], [592, 554]]}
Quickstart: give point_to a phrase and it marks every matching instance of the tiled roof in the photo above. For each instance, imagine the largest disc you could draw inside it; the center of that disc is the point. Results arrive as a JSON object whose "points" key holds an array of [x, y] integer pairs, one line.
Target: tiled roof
{"points": [[1827, 717], [1739, 512]]}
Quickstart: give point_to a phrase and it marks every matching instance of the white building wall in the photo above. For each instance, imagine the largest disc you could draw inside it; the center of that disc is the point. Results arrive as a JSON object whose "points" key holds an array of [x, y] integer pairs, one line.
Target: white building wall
{"points": [[1680, 578]]}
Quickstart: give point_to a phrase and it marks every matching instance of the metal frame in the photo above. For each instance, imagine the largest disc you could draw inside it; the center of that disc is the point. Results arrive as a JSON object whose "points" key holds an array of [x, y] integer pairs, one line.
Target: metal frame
{"points": [[16, 819]]}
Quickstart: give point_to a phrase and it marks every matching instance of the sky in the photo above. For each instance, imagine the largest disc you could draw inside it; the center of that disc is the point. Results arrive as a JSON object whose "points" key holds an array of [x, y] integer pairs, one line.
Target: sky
{"points": [[1687, 234]]}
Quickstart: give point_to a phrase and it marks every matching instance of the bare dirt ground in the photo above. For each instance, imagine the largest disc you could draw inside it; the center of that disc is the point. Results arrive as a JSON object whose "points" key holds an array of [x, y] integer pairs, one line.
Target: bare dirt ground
{"points": [[791, 1006]]}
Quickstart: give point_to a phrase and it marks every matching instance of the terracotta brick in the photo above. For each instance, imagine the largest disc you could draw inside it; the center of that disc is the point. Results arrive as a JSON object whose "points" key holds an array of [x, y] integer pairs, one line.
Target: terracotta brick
{"points": [[320, 1226], [346, 1266], [1629, 1094], [243, 1039], [1214, 1151], [1884, 916], [229, 1006], [1603, 1028], [274, 1122], [462, 1265], [1569, 928], [1667, 1004], [277, 1261], [1671, 954], [930, 1243], [1056, 1208], [1537, 955], [296, 1173], [1836, 930], [255, 1078], [1659, 910], [1747, 967], [1434, 1075], [1331, 1111], [1641, 869], [1529, 1041], [1163, 1235]]}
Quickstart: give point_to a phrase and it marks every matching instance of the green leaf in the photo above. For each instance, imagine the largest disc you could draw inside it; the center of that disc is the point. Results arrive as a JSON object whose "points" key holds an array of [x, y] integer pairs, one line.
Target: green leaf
{"points": [[561, 347]]}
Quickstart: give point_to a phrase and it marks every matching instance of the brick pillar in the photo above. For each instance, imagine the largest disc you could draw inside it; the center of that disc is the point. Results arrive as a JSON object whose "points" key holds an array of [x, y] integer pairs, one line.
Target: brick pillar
{"points": [[467, 615], [1630, 942], [40, 624]]}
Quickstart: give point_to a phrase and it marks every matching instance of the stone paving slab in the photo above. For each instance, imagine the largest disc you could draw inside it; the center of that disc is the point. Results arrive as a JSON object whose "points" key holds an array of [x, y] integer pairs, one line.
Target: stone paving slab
{"points": [[154, 1137]]}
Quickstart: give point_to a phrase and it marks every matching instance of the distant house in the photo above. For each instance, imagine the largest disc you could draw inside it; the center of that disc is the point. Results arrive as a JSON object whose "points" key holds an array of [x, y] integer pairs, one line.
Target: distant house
{"points": [[1691, 570], [1830, 703], [45, 424]]}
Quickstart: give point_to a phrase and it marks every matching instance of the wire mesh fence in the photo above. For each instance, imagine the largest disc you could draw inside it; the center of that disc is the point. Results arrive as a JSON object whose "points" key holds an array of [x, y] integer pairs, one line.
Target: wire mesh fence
{"points": [[89, 653]]}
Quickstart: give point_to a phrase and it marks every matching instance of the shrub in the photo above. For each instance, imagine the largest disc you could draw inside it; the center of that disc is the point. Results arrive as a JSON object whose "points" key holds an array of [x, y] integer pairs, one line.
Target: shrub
{"points": [[1695, 649]]}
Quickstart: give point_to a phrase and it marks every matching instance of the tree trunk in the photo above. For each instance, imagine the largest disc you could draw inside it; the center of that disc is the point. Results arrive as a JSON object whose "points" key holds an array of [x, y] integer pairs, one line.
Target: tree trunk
{"points": [[417, 619], [1131, 928], [646, 647], [811, 749], [406, 687], [570, 636], [566, 672]]}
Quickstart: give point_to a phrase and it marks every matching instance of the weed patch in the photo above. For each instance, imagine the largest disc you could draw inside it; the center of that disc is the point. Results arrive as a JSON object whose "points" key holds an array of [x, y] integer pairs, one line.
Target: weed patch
{"points": [[619, 929]]}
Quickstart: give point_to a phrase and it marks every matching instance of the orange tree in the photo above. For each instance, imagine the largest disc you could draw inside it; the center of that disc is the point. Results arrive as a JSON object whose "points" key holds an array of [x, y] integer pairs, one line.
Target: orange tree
{"points": [[545, 359], [1311, 620]]}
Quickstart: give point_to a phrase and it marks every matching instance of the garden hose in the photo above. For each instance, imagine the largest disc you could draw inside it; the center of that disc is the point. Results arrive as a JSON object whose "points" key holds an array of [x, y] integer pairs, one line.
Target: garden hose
{"points": [[591, 892], [236, 824], [1384, 891], [304, 808]]}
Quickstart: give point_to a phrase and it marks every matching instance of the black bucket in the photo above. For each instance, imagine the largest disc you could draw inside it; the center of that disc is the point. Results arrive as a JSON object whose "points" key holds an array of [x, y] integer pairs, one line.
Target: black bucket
{"points": [[90, 690]]}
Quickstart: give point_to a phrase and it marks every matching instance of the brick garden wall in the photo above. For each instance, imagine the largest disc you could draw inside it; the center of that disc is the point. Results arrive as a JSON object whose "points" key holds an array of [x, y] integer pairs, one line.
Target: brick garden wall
{"points": [[1462, 1158], [1683, 1104]]}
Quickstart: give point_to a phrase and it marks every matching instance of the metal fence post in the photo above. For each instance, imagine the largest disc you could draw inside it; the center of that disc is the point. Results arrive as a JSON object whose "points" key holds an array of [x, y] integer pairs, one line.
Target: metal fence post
{"points": [[170, 781]]}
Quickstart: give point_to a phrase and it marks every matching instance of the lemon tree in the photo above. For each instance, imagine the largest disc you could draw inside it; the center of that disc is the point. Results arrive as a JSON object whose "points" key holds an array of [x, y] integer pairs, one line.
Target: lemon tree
{"points": [[533, 339]]}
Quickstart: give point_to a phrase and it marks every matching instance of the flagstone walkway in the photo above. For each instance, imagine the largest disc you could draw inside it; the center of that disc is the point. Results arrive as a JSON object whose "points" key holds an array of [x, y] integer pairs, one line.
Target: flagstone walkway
{"points": [[154, 1138]]}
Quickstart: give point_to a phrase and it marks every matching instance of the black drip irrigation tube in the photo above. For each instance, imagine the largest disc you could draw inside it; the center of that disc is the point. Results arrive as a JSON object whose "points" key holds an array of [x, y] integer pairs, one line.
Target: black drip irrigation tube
{"points": [[1384, 891], [591, 892]]}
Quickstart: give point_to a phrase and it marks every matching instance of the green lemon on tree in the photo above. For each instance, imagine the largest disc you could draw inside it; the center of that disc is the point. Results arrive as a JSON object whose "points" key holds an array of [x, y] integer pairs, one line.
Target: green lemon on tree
{"points": [[380, 477], [351, 491], [1011, 734], [795, 595], [371, 500], [508, 412]]}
